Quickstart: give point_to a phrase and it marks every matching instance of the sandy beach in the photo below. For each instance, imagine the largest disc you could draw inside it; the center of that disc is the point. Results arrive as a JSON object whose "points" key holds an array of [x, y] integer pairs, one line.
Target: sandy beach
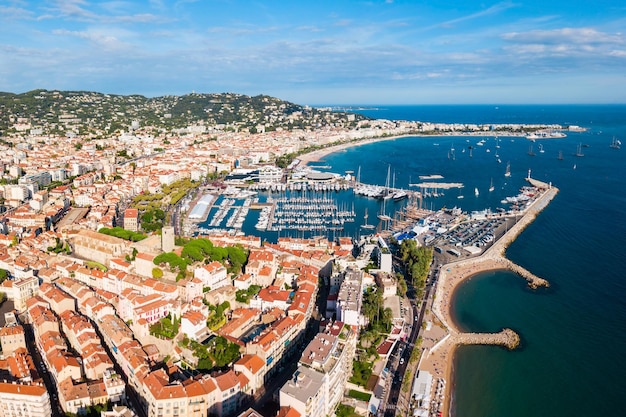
{"points": [[320, 153], [439, 353]]}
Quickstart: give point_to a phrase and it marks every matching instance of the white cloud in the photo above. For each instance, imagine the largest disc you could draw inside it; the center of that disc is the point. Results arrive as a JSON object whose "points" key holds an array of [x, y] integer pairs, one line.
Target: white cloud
{"points": [[12, 13], [565, 47], [564, 35], [495, 9], [73, 9], [103, 38]]}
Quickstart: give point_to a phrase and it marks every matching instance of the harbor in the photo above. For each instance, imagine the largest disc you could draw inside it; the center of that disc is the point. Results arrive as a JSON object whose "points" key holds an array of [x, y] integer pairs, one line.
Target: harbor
{"points": [[297, 208]]}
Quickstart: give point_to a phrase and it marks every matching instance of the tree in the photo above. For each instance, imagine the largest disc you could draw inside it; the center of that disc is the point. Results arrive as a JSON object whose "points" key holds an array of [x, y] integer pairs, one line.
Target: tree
{"points": [[402, 287]]}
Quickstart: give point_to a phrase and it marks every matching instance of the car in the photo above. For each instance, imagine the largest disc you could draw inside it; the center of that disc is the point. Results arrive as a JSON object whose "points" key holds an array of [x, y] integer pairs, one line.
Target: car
{"points": [[401, 361]]}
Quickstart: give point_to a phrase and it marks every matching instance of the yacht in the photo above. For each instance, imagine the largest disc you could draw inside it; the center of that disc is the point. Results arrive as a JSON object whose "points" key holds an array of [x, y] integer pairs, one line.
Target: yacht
{"points": [[615, 143]]}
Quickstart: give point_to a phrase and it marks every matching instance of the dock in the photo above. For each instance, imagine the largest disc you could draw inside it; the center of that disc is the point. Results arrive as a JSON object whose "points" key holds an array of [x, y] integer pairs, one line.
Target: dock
{"points": [[438, 185]]}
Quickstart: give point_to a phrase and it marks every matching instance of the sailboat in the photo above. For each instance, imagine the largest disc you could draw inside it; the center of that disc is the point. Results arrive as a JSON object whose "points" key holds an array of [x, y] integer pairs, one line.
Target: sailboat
{"points": [[507, 173], [366, 225], [387, 193], [541, 148], [579, 151], [560, 157], [460, 195], [615, 143], [491, 187], [530, 151], [476, 191]]}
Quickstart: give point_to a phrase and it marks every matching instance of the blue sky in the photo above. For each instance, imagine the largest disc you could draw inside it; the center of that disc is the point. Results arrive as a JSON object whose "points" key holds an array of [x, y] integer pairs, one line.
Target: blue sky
{"points": [[321, 52]]}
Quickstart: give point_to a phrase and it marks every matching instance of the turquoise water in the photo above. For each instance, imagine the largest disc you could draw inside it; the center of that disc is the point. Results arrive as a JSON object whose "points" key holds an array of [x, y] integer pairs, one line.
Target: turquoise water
{"points": [[571, 361]]}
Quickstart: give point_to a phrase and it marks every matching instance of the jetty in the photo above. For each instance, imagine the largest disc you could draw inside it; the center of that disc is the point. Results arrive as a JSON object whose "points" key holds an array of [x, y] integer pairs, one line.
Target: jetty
{"points": [[506, 338]]}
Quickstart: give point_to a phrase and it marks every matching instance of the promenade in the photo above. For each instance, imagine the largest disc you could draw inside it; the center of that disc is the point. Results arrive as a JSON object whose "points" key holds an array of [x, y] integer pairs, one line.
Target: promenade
{"points": [[440, 344]]}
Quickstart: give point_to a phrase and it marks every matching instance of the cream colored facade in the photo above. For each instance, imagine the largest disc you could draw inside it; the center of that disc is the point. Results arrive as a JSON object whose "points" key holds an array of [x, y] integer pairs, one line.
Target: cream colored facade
{"points": [[24, 401], [21, 290], [98, 247], [12, 338]]}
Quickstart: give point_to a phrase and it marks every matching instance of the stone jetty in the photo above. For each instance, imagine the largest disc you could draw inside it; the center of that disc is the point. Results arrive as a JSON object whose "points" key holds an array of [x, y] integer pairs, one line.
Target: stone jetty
{"points": [[506, 338], [533, 280]]}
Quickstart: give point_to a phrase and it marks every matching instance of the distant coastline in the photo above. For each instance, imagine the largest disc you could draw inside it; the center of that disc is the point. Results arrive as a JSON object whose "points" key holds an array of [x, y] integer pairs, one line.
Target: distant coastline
{"points": [[318, 154]]}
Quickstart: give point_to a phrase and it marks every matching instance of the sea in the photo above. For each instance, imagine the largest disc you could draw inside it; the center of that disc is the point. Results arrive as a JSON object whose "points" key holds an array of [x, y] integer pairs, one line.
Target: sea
{"points": [[572, 358]]}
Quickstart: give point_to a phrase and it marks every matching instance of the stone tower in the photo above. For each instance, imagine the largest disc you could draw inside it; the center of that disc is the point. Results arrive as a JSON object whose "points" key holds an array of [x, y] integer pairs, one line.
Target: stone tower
{"points": [[167, 239]]}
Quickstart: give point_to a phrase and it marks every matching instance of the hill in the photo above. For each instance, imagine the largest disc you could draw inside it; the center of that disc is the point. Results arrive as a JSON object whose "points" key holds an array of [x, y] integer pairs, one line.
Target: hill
{"points": [[99, 115]]}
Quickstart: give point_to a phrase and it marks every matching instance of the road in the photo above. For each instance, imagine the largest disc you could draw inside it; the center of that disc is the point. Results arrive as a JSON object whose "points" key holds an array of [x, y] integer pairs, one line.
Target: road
{"points": [[49, 382], [395, 399]]}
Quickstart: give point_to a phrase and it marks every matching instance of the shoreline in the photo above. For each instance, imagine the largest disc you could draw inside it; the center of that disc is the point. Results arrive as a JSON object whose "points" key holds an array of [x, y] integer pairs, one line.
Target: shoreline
{"points": [[453, 274], [317, 155], [439, 358]]}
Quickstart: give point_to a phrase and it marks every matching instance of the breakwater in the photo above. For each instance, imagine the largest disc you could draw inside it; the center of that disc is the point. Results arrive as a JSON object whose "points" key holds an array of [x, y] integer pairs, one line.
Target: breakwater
{"points": [[506, 338]]}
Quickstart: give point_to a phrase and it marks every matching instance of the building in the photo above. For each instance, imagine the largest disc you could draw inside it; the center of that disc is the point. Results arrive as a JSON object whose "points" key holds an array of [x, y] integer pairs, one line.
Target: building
{"points": [[213, 275], [386, 282], [422, 389], [304, 392], [383, 255], [164, 398], [118, 411], [18, 400], [350, 297], [131, 219], [21, 290], [253, 367], [167, 239], [12, 338], [98, 247], [331, 356]]}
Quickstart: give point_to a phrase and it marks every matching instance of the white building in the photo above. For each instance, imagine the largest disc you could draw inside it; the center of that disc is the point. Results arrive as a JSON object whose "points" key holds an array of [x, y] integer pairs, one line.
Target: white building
{"points": [[330, 356], [193, 324], [422, 388], [18, 400], [384, 256], [350, 297], [213, 275], [304, 392], [270, 174]]}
